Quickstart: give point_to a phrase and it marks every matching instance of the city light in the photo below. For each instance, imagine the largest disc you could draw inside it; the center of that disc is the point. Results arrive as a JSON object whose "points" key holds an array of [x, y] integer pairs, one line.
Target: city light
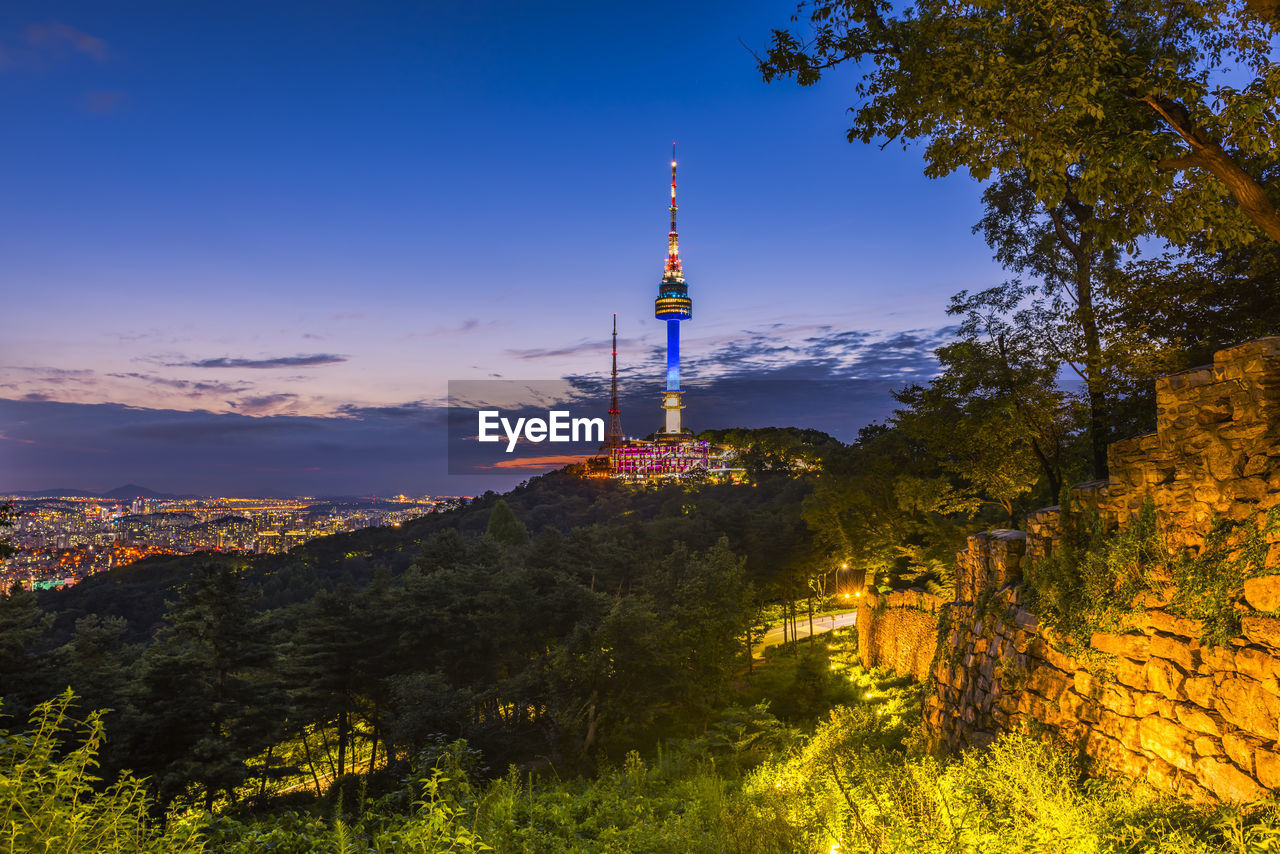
{"points": [[64, 539]]}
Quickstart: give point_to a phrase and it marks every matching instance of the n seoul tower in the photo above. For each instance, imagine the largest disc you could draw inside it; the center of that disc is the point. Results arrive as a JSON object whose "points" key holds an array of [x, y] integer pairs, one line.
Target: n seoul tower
{"points": [[673, 305]]}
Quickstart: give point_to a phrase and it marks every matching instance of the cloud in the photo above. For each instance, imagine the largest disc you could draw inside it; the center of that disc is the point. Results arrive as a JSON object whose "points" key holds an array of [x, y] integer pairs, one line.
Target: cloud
{"points": [[261, 404], [50, 371], [418, 409], [102, 103], [571, 349], [778, 352], [300, 361], [467, 327], [37, 378], [55, 35], [193, 387], [544, 463], [206, 428], [4, 438]]}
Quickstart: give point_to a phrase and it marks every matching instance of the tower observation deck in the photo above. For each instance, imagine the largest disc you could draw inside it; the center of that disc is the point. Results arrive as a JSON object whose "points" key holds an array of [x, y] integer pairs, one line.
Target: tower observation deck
{"points": [[673, 305]]}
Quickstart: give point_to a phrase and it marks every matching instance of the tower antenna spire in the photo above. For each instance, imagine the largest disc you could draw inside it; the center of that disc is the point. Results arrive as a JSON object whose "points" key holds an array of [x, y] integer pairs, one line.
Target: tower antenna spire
{"points": [[673, 273], [613, 439]]}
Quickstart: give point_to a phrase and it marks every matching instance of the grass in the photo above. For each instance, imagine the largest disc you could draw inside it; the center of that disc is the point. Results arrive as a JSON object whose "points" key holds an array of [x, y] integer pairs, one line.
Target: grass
{"points": [[751, 785]]}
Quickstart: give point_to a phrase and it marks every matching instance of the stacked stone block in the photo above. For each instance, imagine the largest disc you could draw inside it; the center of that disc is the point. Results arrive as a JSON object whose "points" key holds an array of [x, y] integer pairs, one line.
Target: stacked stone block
{"points": [[1149, 702]]}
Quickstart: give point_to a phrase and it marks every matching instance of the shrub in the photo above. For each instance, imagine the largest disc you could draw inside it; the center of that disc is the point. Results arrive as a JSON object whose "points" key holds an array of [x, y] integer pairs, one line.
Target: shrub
{"points": [[49, 800], [1091, 580], [1020, 796]]}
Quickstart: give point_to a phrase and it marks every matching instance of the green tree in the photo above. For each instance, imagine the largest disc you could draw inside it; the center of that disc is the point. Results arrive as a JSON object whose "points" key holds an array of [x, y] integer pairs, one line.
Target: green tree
{"points": [[999, 359], [324, 665], [101, 667], [26, 675], [1180, 307], [1123, 104], [504, 527], [979, 440], [207, 699], [1070, 252], [886, 506]]}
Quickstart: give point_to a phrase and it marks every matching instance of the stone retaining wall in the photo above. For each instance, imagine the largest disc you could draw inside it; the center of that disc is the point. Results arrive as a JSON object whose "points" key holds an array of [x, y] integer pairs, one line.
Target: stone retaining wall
{"points": [[1150, 702], [898, 631]]}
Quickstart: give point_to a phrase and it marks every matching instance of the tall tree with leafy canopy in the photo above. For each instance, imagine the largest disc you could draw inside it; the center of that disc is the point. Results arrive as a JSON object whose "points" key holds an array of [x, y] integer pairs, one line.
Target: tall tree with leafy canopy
{"points": [[207, 701], [504, 527], [1000, 358], [26, 674], [977, 439], [1161, 116], [325, 666], [1067, 248], [885, 505]]}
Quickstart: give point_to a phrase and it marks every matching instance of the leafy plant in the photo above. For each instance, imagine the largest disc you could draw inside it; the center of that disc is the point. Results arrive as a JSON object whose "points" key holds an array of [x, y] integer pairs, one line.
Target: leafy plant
{"points": [[1092, 578], [50, 799], [1207, 584]]}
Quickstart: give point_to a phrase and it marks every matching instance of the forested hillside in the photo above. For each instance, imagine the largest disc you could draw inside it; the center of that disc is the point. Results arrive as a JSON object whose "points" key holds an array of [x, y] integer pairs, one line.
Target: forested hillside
{"points": [[566, 623]]}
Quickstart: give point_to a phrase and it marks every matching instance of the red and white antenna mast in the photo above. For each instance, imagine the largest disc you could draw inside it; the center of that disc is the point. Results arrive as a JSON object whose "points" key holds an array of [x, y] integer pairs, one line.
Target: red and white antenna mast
{"points": [[673, 273], [613, 438]]}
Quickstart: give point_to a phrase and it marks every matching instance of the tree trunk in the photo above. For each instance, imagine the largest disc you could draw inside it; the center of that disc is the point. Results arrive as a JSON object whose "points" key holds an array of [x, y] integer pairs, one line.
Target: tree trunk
{"points": [[593, 725], [328, 750], [1081, 248], [344, 732], [795, 627], [306, 749], [811, 620], [266, 767], [1092, 344]]}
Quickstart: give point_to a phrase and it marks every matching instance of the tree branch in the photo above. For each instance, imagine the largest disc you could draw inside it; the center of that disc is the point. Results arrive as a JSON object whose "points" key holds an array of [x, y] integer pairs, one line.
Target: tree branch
{"points": [[1206, 153]]}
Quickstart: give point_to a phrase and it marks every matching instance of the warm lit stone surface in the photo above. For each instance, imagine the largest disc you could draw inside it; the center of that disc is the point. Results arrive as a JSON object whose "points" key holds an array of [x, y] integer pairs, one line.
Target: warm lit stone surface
{"points": [[1150, 701], [1263, 594]]}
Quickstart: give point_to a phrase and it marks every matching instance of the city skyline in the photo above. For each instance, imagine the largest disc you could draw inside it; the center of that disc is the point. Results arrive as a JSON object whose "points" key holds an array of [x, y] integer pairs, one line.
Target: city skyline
{"points": [[252, 247]]}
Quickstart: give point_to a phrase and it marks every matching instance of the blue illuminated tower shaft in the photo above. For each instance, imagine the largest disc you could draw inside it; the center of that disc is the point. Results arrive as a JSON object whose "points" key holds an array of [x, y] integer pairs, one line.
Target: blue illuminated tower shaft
{"points": [[673, 305], [673, 355]]}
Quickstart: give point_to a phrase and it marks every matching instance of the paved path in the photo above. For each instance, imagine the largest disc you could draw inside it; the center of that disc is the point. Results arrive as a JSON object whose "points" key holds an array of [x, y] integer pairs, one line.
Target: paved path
{"points": [[825, 623]]}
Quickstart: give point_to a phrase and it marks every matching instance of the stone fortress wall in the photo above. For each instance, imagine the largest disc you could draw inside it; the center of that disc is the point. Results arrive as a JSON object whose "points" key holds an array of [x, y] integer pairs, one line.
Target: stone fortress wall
{"points": [[1193, 719]]}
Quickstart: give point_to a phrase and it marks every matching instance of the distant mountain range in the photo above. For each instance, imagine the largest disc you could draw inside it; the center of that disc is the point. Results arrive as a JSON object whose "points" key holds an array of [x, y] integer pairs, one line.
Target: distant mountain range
{"points": [[121, 493]]}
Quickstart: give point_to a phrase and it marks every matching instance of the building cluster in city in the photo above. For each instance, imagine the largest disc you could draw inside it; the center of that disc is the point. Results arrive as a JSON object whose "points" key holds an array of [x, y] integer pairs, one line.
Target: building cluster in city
{"points": [[60, 540]]}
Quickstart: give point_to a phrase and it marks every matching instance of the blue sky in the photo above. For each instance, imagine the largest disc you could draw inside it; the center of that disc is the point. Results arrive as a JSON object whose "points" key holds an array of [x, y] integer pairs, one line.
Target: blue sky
{"points": [[288, 212]]}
